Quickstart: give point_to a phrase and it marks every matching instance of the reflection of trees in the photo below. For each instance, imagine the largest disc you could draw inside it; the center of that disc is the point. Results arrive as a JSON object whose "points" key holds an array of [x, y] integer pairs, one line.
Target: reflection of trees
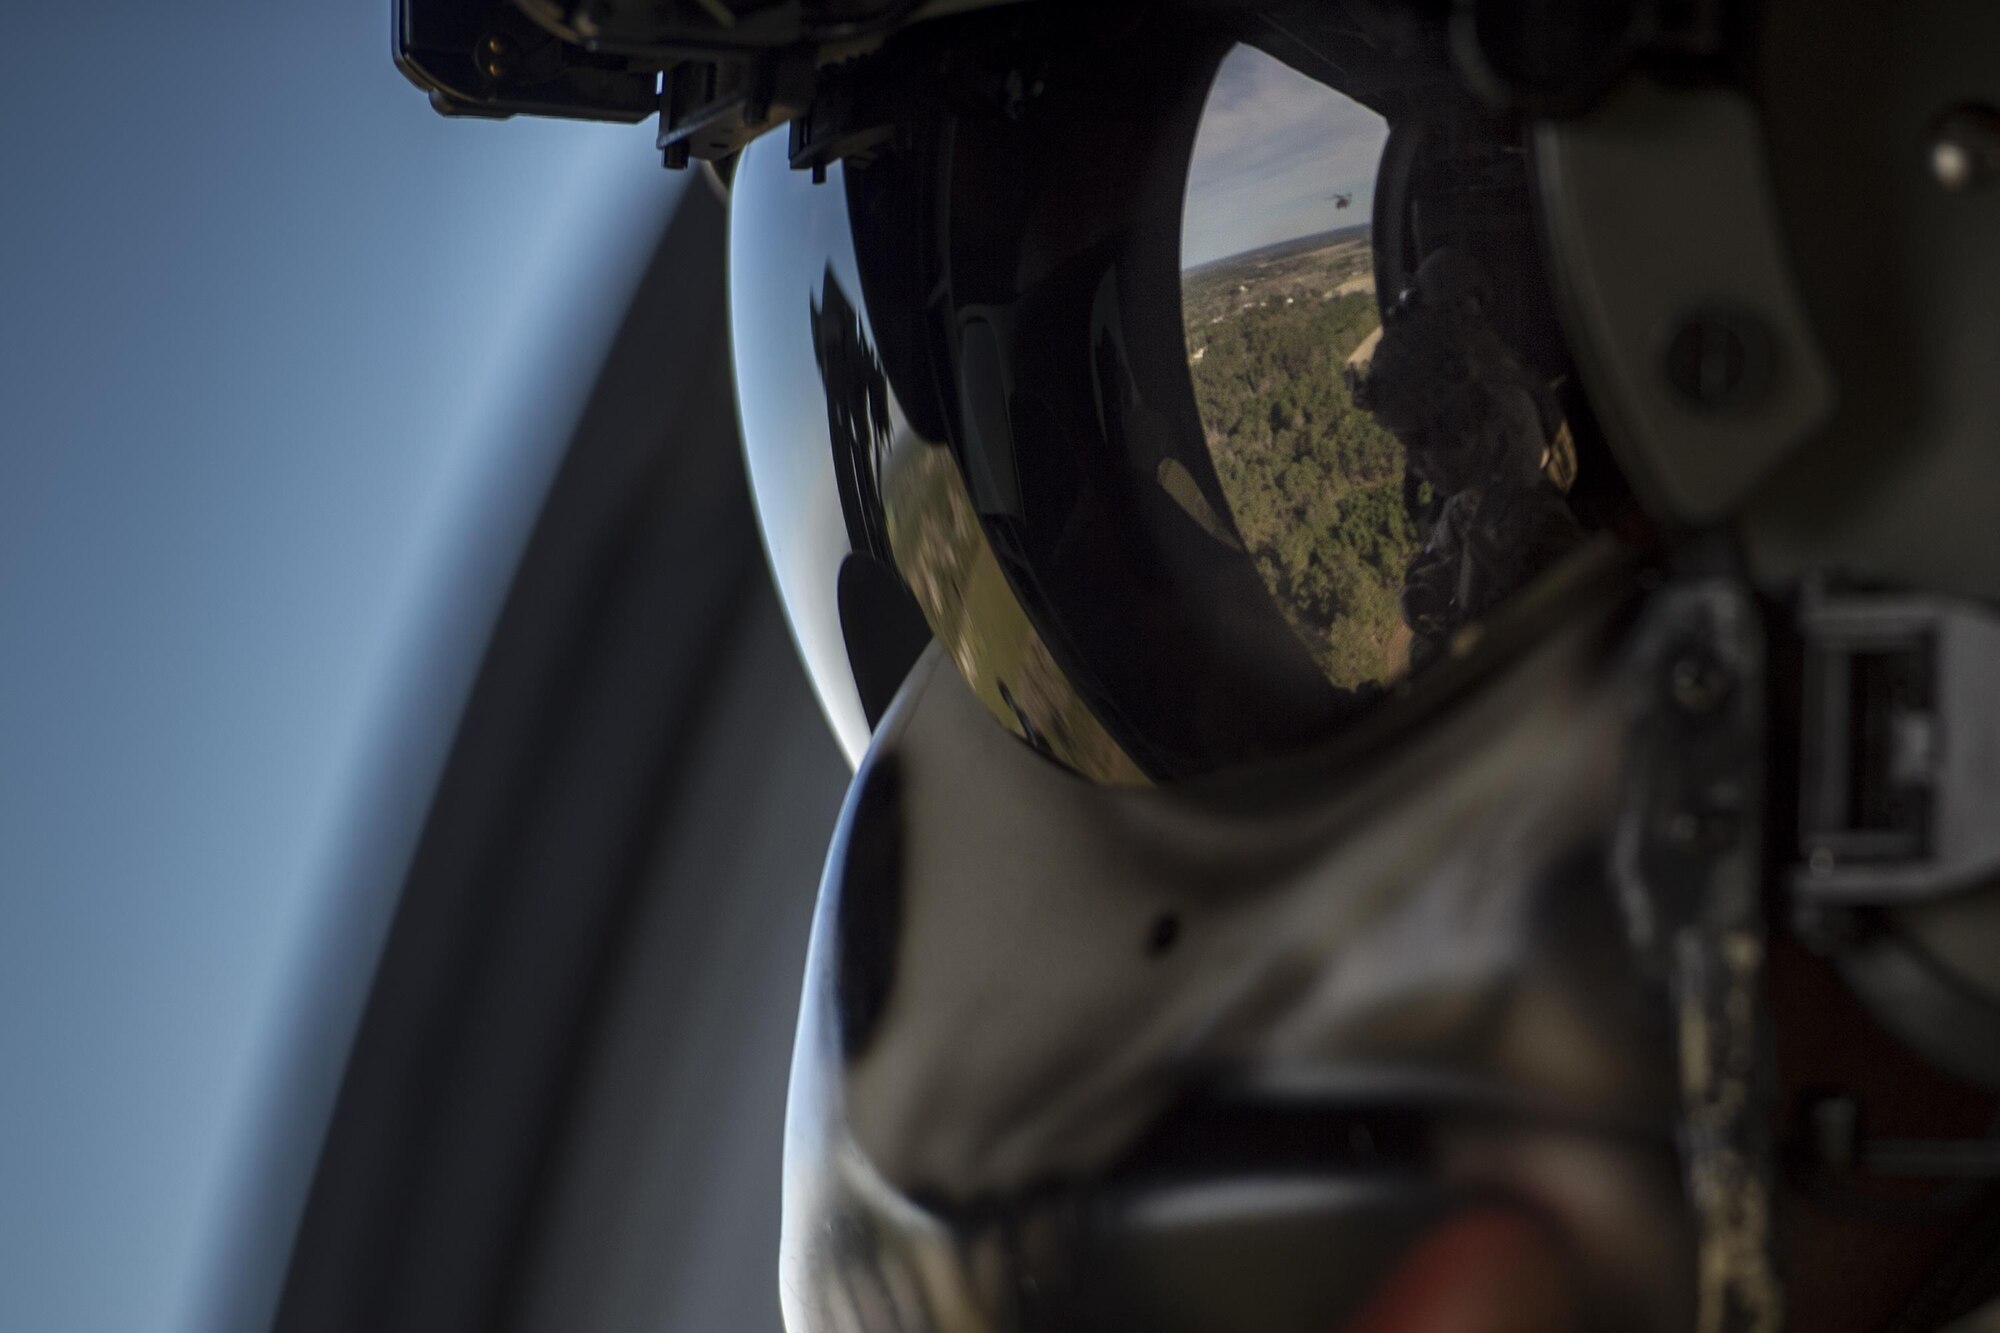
{"points": [[944, 558], [1387, 519], [928, 532], [1314, 484]]}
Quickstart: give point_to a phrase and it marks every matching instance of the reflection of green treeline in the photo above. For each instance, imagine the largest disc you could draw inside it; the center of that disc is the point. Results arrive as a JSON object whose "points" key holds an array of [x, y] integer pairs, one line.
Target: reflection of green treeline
{"points": [[948, 566], [1315, 485]]}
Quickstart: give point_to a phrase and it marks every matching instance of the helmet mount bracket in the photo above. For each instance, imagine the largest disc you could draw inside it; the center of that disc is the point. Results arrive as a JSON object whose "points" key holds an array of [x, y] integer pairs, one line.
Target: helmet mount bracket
{"points": [[1899, 770]]}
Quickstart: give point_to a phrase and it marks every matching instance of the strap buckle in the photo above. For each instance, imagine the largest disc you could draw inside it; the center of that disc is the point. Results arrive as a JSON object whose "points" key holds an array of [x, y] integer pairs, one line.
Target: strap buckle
{"points": [[1899, 773]]}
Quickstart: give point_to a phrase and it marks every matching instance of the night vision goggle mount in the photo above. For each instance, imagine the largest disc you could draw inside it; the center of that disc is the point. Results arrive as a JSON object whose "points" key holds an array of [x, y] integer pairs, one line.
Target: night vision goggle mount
{"points": [[720, 72]]}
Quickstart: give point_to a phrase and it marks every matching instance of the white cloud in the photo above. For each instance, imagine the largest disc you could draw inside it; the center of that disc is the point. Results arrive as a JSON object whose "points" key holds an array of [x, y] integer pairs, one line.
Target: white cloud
{"points": [[1273, 149]]}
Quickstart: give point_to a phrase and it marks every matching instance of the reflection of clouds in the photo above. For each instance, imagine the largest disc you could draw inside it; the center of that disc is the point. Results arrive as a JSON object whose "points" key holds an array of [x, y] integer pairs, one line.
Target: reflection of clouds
{"points": [[1273, 149]]}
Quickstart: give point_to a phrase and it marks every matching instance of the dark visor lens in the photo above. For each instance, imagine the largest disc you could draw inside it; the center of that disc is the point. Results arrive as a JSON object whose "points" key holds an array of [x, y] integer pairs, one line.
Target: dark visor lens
{"points": [[1199, 397]]}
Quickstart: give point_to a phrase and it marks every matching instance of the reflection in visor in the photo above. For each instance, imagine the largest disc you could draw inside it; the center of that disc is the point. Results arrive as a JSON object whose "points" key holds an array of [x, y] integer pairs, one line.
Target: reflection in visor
{"points": [[951, 570], [844, 480], [1388, 495], [1110, 392], [906, 505], [1278, 298]]}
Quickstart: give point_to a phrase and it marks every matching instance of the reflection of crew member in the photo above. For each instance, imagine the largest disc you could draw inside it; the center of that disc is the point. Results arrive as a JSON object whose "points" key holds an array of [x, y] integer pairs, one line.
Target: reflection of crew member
{"points": [[1476, 427]]}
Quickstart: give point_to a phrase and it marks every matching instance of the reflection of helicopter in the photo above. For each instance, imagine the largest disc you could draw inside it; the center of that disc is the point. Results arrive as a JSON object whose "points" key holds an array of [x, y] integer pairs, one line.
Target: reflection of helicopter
{"points": [[1343, 200]]}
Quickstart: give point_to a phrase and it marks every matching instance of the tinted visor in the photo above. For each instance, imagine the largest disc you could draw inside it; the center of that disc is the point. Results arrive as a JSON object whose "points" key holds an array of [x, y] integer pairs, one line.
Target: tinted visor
{"points": [[1200, 386]]}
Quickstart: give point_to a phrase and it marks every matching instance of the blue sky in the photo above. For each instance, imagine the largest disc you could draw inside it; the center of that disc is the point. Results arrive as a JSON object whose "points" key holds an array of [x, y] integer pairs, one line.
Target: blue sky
{"points": [[1273, 149], [285, 361]]}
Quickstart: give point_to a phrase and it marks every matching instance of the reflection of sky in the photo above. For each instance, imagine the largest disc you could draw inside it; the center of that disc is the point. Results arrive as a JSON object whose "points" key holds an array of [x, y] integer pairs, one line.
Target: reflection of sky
{"points": [[786, 233], [1273, 149], [285, 361]]}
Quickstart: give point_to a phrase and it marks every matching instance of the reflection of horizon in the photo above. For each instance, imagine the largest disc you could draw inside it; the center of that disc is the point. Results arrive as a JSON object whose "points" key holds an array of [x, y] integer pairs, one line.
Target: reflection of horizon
{"points": [[1276, 152], [1305, 243]]}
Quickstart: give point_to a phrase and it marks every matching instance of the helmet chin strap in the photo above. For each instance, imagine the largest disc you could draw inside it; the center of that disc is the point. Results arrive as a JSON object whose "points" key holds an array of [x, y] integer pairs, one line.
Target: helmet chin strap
{"points": [[1688, 869]]}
